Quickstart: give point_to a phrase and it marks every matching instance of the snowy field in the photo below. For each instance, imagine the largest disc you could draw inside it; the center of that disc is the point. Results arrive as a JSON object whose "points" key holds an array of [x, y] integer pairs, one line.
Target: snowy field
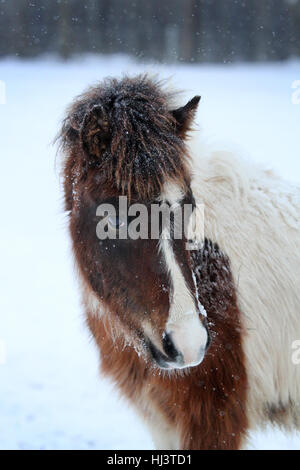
{"points": [[51, 396]]}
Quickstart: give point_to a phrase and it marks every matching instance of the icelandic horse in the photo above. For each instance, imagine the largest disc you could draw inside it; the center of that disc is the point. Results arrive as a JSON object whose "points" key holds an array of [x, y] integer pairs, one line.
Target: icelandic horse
{"points": [[200, 341]]}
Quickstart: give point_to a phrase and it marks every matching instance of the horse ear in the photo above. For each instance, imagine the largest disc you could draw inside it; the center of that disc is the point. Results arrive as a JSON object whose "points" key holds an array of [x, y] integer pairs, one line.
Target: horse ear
{"points": [[94, 131], [184, 116]]}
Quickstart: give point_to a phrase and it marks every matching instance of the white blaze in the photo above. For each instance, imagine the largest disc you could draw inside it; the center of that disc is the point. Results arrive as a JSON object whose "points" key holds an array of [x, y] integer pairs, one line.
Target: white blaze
{"points": [[184, 325]]}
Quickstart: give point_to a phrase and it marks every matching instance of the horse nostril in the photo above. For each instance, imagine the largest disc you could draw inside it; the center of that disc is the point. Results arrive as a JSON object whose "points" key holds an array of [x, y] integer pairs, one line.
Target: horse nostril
{"points": [[169, 347]]}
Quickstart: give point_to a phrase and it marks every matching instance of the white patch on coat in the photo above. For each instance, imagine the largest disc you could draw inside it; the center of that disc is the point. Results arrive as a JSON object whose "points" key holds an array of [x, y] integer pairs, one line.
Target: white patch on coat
{"points": [[200, 306], [255, 218], [171, 193], [94, 303], [184, 324], [164, 434], [195, 228], [91, 300], [183, 301]]}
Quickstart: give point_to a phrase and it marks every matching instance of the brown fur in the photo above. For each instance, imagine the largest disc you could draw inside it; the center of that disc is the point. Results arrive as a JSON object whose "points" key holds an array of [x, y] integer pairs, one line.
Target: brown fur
{"points": [[124, 131], [123, 137], [207, 404]]}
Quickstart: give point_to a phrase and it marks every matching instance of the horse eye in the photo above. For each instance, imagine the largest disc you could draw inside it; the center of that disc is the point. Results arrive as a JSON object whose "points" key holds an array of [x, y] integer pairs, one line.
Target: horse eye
{"points": [[116, 222]]}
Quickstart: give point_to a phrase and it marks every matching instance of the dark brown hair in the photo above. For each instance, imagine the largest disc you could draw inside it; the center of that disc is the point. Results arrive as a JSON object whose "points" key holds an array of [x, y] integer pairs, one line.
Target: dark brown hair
{"points": [[128, 131]]}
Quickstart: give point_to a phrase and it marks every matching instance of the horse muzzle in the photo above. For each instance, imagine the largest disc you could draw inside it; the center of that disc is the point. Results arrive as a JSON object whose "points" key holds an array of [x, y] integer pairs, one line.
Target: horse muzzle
{"points": [[184, 344]]}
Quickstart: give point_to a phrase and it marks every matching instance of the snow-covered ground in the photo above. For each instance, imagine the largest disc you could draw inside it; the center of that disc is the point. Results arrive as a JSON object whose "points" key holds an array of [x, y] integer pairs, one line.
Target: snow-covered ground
{"points": [[51, 395]]}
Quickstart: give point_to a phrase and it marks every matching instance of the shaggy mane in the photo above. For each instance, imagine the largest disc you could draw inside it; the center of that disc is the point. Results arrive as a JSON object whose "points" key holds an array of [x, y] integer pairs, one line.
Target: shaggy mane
{"points": [[125, 129]]}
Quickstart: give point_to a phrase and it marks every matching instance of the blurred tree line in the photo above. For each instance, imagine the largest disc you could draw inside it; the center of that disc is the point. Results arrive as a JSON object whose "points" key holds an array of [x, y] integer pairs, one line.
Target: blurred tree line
{"points": [[163, 30]]}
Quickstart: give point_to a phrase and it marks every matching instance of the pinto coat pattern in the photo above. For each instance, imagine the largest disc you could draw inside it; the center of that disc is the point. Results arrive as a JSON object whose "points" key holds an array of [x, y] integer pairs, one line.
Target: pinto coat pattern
{"points": [[126, 137]]}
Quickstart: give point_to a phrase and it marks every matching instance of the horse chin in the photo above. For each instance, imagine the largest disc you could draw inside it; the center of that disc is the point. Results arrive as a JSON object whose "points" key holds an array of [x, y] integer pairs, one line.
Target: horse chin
{"points": [[173, 366]]}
